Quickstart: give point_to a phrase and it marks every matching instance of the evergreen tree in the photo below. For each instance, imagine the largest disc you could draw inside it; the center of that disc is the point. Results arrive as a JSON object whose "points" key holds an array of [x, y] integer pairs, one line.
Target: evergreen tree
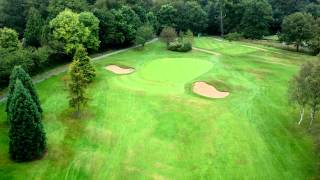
{"points": [[77, 86], [33, 29], [87, 68], [26, 133], [19, 73]]}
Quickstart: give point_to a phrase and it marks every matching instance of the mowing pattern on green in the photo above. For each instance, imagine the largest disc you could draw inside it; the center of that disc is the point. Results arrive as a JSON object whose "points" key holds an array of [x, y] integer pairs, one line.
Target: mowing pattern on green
{"points": [[165, 75], [132, 131]]}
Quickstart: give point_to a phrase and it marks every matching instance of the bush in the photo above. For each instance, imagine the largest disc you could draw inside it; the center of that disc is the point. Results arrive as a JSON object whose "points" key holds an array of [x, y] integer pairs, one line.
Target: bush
{"points": [[180, 46], [32, 61], [233, 36]]}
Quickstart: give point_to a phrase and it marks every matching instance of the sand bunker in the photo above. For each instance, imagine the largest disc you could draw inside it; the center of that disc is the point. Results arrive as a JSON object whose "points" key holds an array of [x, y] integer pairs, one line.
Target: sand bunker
{"points": [[206, 90], [119, 70]]}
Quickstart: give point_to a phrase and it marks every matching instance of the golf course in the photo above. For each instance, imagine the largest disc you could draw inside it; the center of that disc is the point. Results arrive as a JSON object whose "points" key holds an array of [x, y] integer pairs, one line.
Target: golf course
{"points": [[149, 123]]}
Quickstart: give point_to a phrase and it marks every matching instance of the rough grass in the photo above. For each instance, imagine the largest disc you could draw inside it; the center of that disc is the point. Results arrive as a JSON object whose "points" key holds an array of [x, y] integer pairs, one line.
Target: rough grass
{"points": [[149, 126]]}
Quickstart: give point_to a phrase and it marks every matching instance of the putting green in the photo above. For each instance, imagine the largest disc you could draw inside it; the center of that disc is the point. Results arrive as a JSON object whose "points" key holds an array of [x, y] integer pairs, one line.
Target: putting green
{"points": [[167, 75]]}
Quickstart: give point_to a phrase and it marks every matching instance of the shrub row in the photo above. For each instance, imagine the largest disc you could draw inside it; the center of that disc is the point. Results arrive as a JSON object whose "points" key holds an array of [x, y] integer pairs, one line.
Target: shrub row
{"points": [[180, 46], [32, 60]]}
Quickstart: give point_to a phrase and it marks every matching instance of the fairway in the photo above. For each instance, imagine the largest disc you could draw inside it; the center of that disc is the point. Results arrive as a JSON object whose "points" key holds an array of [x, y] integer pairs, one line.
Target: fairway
{"points": [[150, 125]]}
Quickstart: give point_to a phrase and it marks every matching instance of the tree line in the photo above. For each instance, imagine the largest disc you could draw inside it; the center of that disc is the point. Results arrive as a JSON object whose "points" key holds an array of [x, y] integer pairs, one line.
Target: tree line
{"points": [[27, 137], [304, 90], [37, 34]]}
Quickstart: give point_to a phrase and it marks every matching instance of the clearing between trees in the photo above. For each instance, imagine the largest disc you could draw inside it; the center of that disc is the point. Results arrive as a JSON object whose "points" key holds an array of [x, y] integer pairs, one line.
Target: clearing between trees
{"points": [[149, 124]]}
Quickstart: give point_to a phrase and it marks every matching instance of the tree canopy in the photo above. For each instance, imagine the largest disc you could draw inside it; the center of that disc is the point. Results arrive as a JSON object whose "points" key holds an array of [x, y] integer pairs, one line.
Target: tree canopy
{"points": [[9, 39], [297, 28]]}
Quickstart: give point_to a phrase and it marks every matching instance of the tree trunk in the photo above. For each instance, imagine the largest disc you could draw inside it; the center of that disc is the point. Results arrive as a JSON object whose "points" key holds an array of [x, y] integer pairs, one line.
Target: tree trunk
{"points": [[221, 19], [301, 115], [78, 110], [313, 114], [298, 45]]}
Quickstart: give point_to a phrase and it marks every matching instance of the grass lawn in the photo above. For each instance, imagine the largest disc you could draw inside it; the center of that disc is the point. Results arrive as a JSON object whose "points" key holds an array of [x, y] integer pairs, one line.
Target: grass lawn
{"points": [[149, 125]]}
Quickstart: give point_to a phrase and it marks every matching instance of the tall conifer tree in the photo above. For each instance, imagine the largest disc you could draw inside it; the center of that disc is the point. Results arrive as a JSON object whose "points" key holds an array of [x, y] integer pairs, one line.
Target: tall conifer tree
{"points": [[26, 133], [19, 73]]}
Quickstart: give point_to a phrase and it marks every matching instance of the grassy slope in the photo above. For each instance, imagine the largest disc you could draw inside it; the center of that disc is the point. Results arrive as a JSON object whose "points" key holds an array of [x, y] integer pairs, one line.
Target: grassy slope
{"points": [[146, 126]]}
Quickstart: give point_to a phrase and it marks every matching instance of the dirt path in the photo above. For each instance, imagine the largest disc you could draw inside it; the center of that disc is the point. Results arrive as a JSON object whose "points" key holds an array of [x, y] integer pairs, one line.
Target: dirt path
{"points": [[63, 68], [207, 51]]}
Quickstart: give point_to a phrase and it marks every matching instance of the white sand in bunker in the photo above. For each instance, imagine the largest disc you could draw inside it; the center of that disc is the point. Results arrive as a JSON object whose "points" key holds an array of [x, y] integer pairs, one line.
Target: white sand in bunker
{"points": [[207, 90], [119, 70]]}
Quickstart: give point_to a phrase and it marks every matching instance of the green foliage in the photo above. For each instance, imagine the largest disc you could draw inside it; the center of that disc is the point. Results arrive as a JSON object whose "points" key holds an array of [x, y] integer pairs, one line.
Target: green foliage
{"points": [[32, 61], [183, 43], [107, 26], [297, 28], [9, 39], [191, 16], [19, 73], [33, 31], [92, 23], [77, 87], [313, 9], [256, 19], [189, 36], [144, 33], [57, 6], [117, 27], [88, 70], [27, 137], [233, 36], [152, 20], [313, 90], [305, 88], [167, 16], [141, 13], [127, 23], [179, 46], [68, 29], [283, 8], [13, 15], [314, 43], [213, 10], [168, 35], [232, 14]]}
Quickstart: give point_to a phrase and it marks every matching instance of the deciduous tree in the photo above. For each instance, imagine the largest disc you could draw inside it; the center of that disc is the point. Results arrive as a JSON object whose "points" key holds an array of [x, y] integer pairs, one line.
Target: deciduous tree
{"points": [[298, 89], [57, 6], [256, 19], [68, 29], [88, 70], [9, 39], [168, 35], [144, 33], [313, 85], [92, 23], [297, 28], [77, 87], [191, 16], [167, 16]]}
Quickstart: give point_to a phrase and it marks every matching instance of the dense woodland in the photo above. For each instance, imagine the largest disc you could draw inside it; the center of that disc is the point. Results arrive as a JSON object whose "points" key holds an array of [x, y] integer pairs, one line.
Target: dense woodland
{"points": [[38, 34]]}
